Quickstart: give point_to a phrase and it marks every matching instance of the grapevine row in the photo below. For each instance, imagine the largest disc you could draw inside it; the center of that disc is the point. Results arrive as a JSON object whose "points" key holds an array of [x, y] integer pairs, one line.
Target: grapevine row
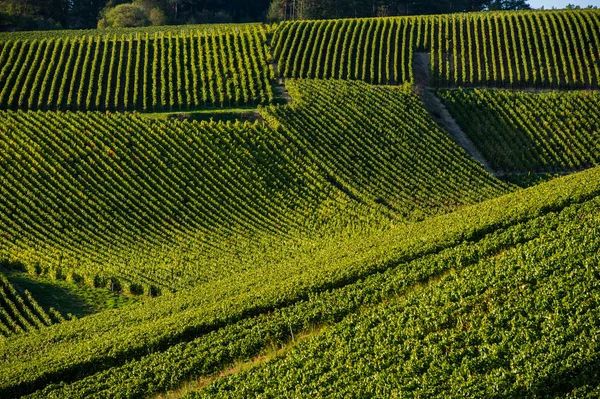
{"points": [[105, 218], [517, 324], [558, 49], [530, 132], [339, 273], [376, 51], [163, 71], [209, 353], [21, 313], [551, 49]]}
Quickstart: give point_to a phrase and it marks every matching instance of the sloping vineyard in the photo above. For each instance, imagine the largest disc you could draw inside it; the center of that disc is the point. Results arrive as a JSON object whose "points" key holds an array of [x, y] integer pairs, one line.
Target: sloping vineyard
{"points": [[517, 322], [348, 217], [145, 206], [557, 49], [133, 204], [155, 345], [378, 51], [21, 313], [530, 132], [386, 147], [159, 71]]}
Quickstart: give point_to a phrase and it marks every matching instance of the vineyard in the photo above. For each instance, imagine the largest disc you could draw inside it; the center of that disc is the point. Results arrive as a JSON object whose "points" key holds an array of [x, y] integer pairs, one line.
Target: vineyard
{"points": [[21, 313], [376, 51], [150, 240], [202, 330], [515, 50], [530, 132], [305, 209], [386, 148], [142, 71], [451, 337]]}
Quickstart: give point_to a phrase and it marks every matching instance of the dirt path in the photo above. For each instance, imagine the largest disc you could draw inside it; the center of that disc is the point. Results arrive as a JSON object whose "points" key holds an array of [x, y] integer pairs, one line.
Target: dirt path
{"points": [[439, 113], [279, 86]]}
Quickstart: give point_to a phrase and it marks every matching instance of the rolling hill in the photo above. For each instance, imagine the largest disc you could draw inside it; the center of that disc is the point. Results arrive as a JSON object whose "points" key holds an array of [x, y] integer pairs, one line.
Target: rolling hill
{"points": [[343, 244]]}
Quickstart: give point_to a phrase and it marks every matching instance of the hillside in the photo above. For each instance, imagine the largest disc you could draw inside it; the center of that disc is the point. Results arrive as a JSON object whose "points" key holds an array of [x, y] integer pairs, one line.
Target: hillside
{"points": [[148, 206], [554, 49], [136, 71], [358, 238], [512, 322], [530, 132], [201, 330]]}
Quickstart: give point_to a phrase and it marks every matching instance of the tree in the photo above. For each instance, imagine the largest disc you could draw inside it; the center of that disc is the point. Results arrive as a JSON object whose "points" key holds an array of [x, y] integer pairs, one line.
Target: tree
{"points": [[125, 16], [275, 11], [35, 14], [157, 17], [508, 5], [84, 13]]}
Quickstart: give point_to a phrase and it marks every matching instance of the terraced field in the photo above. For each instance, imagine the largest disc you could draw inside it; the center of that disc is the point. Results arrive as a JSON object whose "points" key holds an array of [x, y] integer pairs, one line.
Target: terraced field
{"points": [[343, 244]]}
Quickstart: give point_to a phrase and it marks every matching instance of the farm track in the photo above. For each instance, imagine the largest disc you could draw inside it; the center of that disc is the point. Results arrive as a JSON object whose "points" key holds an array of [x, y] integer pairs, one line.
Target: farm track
{"points": [[439, 113], [279, 88]]}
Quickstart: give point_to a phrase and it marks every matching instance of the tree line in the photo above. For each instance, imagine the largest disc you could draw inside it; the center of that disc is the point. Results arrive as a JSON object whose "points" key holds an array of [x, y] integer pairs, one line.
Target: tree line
{"points": [[325, 9], [85, 14]]}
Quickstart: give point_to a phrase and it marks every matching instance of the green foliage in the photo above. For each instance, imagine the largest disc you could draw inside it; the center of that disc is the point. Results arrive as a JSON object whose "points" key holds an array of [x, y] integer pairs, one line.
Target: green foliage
{"points": [[529, 179], [342, 50], [245, 339], [516, 324], [157, 17], [275, 13], [125, 16], [74, 350], [556, 49], [128, 32], [232, 188], [508, 5], [210, 59], [348, 210], [530, 132], [34, 14], [20, 312], [387, 149], [67, 297]]}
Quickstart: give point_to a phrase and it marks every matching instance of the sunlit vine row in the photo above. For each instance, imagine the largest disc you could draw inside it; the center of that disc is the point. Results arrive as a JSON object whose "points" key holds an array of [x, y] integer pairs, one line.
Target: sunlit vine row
{"points": [[530, 132], [159, 71], [552, 49]]}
